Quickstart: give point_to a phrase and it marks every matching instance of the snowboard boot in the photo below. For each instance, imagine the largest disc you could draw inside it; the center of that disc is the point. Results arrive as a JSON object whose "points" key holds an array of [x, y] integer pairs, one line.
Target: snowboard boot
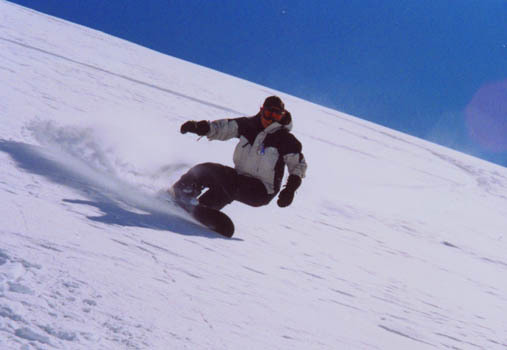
{"points": [[185, 194]]}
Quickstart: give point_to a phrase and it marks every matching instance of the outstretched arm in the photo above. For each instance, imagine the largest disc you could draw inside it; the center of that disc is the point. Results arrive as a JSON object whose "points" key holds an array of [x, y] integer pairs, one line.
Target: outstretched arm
{"points": [[222, 129]]}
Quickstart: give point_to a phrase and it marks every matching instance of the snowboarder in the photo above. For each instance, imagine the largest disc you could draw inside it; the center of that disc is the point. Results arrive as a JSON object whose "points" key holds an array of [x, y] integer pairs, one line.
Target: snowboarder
{"points": [[265, 147]]}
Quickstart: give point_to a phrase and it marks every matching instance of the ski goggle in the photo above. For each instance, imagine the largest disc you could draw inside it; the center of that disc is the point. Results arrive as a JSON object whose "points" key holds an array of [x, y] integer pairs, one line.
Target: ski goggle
{"points": [[272, 113]]}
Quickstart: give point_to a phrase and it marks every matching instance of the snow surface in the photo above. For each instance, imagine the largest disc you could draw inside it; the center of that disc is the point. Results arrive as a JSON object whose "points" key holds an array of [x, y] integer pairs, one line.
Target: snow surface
{"points": [[391, 243]]}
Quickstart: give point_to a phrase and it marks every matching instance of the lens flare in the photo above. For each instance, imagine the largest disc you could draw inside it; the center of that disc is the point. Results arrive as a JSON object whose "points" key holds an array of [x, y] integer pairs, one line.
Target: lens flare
{"points": [[486, 117]]}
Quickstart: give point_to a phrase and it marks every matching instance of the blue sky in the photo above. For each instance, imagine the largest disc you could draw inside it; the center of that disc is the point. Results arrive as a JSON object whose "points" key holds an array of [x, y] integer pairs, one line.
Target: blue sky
{"points": [[435, 69]]}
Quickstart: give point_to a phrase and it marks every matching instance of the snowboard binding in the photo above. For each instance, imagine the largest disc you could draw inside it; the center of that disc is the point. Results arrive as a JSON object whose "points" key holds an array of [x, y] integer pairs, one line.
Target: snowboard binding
{"points": [[186, 196]]}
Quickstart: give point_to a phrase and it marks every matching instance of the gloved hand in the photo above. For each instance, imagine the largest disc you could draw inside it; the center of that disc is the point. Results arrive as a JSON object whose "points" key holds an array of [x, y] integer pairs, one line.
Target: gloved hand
{"points": [[286, 197], [200, 128]]}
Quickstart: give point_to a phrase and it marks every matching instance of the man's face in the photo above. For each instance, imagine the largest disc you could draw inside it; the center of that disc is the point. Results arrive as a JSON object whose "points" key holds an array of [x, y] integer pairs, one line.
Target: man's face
{"points": [[270, 115]]}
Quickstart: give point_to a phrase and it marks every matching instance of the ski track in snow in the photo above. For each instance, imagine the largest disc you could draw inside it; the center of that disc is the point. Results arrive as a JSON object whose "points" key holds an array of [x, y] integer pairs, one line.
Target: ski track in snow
{"points": [[391, 243]]}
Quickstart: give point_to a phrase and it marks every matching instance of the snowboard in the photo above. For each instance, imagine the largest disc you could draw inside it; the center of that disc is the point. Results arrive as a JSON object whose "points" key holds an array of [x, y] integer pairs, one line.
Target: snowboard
{"points": [[213, 219]]}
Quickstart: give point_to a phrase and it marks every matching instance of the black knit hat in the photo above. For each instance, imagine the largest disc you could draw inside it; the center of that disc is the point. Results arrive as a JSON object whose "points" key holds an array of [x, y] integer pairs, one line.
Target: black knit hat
{"points": [[274, 101]]}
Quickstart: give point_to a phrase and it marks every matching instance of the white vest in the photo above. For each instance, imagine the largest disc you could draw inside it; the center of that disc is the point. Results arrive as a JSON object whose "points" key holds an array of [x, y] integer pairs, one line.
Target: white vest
{"points": [[253, 159]]}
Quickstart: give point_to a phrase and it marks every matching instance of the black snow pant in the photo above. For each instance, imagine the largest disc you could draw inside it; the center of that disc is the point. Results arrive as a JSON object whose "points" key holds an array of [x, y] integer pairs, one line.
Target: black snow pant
{"points": [[224, 186]]}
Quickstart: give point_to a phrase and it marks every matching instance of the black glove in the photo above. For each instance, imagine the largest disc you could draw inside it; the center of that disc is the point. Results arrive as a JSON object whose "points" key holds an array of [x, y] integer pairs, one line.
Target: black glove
{"points": [[286, 197], [200, 128]]}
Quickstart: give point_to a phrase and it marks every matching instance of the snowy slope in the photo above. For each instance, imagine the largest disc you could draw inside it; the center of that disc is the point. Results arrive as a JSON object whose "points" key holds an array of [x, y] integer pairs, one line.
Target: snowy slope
{"points": [[391, 243]]}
